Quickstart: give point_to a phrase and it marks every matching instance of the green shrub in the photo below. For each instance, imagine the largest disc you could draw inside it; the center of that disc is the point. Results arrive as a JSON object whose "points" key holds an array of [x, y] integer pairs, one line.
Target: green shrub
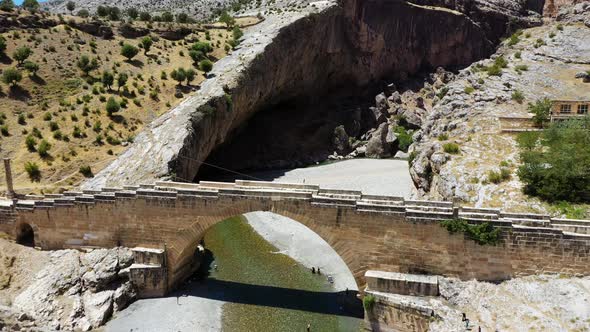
{"points": [[494, 70], [498, 177], [520, 68], [443, 137], [483, 234], [86, 171], [518, 55], [4, 130], [452, 148], [11, 76], [556, 165], [541, 110], [206, 65], [404, 138], [44, 148], [129, 51], [518, 96], [443, 92], [30, 142], [501, 62], [369, 302], [112, 106], [469, 89], [33, 171]]}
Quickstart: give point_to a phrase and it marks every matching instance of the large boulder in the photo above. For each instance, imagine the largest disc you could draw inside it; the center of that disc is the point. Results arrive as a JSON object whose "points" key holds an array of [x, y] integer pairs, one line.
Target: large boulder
{"points": [[98, 307], [341, 141], [382, 143]]}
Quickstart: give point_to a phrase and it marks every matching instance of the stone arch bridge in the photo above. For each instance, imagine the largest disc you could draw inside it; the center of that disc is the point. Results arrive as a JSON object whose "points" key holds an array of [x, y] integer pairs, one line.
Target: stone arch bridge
{"points": [[169, 219]]}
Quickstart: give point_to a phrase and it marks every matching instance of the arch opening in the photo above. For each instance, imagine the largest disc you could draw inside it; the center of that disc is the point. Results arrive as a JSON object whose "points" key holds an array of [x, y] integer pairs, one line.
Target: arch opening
{"points": [[25, 235], [264, 260]]}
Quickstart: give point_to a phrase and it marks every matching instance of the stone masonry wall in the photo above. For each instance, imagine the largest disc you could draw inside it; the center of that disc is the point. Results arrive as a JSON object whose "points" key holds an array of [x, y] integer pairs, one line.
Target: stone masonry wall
{"points": [[366, 232]]}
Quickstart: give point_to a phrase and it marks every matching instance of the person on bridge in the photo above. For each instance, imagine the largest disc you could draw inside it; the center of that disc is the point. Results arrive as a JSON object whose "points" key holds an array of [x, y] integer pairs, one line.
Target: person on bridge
{"points": [[309, 327], [313, 270]]}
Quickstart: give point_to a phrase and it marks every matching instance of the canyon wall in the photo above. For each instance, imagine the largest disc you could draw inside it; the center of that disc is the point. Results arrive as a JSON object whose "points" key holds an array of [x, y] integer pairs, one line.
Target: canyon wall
{"points": [[300, 55]]}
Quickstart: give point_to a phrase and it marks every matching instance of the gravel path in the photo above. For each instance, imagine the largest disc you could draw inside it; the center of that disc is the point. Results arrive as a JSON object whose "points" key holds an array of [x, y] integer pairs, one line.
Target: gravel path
{"points": [[371, 176]]}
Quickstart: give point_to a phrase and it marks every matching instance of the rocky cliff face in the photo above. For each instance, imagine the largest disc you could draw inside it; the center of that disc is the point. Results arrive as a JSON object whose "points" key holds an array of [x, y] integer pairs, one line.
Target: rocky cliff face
{"points": [[321, 49]]}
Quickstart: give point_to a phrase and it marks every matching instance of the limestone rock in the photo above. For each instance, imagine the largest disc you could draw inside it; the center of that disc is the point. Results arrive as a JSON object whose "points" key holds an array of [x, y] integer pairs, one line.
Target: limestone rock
{"points": [[381, 144], [102, 267], [123, 296], [401, 155], [341, 141], [381, 103], [98, 307]]}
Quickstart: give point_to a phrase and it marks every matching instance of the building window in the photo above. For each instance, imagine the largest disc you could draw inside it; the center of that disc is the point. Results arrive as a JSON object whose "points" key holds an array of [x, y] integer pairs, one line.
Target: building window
{"points": [[583, 109], [565, 108]]}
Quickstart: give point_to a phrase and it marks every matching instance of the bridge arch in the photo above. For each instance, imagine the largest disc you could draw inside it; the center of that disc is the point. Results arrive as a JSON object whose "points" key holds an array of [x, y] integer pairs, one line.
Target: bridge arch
{"points": [[25, 234], [181, 247]]}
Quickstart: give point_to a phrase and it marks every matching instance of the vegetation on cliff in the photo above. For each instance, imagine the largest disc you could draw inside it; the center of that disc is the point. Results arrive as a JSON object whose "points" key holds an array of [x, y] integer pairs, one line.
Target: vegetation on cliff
{"points": [[483, 234], [556, 162]]}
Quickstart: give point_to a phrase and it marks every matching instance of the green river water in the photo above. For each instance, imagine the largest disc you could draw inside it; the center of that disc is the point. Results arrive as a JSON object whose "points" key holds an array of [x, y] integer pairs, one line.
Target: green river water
{"points": [[267, 291]]}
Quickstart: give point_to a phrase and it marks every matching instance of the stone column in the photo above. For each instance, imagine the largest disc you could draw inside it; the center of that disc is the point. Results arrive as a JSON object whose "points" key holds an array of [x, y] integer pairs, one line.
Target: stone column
{"points": [[9, 188]]}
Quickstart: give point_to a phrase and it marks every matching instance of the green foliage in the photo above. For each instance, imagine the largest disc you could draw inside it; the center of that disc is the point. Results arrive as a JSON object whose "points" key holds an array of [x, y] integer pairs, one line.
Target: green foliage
{"points": [[202, 47], [443, 92], [469, 90], [178, 75], [30, 5], [121, 80], [145, 16], [6, 5], [11, 76], [556, 166], [443, 137], [33, 171], [541, 110], [44, 148], [129, 51], [132, 12], [498, 177], [146, 43], [518, 96], [206, 65], [31, 143], [494, 70], [167, 17], [112, 106], [87, 64], [182, 18], [71, 6], [404, 138], [452, 148], [31, 67], [483, 234], [227, 19], [2, 44], [107, 79], [86, 171], [518, 55], [190, 75], [501, 62], [21, 54], [514, 39], [4, 130], [369, 302], [570, 211]]}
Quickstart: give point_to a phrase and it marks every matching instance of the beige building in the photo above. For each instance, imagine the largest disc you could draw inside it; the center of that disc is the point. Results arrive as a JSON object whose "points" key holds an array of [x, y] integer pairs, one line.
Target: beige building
{"points": [[565, 109]]}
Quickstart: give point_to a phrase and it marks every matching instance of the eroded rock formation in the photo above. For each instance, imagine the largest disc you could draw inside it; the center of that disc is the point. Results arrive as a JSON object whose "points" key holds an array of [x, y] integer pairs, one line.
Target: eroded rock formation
{"points": [[311, 53]]}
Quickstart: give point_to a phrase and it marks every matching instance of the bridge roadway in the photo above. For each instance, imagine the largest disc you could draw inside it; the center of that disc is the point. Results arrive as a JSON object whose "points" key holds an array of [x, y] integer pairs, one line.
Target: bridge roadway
{"points": [[369, 232]]}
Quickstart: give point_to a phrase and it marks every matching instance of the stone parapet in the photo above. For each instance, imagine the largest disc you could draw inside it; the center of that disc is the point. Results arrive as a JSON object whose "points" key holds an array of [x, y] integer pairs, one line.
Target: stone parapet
{"points": [[402, 283]]}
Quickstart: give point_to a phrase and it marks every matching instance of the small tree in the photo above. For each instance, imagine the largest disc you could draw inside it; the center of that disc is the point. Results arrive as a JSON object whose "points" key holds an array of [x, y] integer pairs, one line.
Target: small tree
{"points": [[129, 51], [112, 106], [108, 79], [145, 16], [21, 54], [178, 75], [102, 11], [132, 12], [11, 76], [2, 44], [121, 80], [31, 5], [31, 143], [31, 67], [114, 13], [182, 18], [33, 171], [206, 66], [71, 6], [83, 13], [541, 110], [196, 55], [227, 19], [6, 5], [190, 75], [167, 17], [146, 43], [86, 171], [43, 149], [86, 64]]}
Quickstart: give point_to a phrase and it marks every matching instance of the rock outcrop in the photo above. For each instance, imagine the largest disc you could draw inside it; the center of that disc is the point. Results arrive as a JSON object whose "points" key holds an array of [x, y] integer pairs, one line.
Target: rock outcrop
{"points": [[74, 291], [361, 42]]}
